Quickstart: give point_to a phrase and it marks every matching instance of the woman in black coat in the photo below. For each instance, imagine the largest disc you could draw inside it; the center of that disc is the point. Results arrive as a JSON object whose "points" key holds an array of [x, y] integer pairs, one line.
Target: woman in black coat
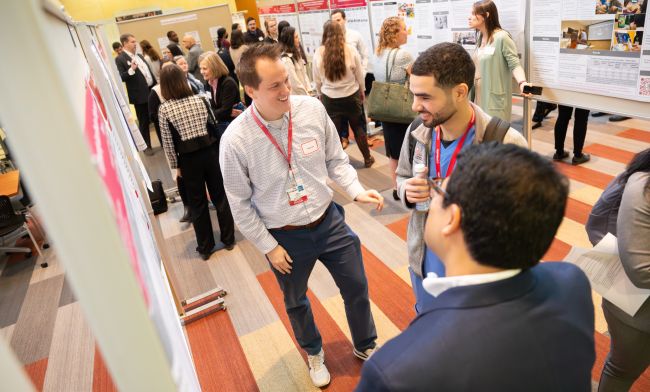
{"points": [[227, 96]]}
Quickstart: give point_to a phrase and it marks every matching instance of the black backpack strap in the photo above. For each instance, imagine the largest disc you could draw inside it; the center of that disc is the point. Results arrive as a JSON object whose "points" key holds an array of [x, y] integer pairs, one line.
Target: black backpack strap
{"points": [[414, 125], [496, 130]]}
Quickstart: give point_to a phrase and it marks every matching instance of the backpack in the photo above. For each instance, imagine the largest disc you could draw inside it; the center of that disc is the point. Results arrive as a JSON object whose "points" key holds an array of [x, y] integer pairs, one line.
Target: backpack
{"points": [[494, 132]]}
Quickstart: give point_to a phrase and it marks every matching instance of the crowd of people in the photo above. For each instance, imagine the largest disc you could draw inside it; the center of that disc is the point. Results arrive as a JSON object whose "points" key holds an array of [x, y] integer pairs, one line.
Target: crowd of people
{"points": [[484, 209]]}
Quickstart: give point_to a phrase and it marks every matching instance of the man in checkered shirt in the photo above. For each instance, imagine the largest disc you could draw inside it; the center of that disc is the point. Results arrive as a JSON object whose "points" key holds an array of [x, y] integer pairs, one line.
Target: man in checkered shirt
{"points": [[275, 159]]}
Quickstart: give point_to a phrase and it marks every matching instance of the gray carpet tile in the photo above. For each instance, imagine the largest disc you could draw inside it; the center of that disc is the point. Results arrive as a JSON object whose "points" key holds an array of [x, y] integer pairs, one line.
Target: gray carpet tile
{"points": [[14, 282], [33, 331]]}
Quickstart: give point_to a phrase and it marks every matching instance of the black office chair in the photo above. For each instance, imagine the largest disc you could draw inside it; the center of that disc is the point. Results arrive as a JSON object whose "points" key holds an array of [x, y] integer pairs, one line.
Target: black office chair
{"points": [[22, 204], [15, 225]]}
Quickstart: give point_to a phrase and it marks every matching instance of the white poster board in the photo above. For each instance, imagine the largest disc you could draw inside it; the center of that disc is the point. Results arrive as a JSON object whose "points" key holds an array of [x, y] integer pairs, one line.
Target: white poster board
{"points": [[585, 48]]}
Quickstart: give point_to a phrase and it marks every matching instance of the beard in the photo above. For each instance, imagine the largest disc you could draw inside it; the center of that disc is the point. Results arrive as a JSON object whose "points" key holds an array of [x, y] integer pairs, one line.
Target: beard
{"points": [[440, 117]]}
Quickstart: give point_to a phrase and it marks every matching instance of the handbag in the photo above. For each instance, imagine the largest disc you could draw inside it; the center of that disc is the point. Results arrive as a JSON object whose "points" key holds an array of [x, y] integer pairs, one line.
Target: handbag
{"points": [[391, 102], [212, 125]]}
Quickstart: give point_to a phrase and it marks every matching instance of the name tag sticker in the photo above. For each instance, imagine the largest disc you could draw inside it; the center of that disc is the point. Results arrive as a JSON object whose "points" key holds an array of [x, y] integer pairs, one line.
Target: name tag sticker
{"points": [[309, 147]]}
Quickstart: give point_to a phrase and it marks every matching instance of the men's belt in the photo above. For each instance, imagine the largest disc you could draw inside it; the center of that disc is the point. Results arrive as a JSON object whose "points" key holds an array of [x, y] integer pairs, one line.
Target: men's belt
{"points": [[307, 226]]}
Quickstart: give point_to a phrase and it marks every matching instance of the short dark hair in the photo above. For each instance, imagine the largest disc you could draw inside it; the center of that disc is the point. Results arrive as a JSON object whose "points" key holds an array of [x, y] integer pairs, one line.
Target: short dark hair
{"points": [[125, 37], [338, 11], [116, 45], [246, 68], [173, 83], [170, 33], [249, 19], [448, 63], [512, 202], [234, 26]]}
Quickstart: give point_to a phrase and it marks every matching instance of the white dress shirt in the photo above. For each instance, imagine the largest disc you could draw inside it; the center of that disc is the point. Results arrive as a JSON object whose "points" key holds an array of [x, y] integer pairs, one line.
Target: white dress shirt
{"points": [[256, 175], [435, 285], [354, 39], [142, 66]]}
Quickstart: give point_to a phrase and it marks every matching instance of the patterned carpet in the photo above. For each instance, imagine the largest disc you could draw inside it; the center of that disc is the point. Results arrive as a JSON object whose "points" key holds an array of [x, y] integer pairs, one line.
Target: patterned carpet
{"points": [[250, 346]]}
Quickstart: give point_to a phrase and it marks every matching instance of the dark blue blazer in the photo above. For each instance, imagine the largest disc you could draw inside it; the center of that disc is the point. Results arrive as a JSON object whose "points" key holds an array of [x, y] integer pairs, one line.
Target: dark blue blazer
{"points": [[531, 332]]}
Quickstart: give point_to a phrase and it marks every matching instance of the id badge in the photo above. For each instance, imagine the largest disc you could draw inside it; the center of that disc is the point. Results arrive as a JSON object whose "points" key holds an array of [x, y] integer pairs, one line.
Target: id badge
{"points": [[296, 191]]}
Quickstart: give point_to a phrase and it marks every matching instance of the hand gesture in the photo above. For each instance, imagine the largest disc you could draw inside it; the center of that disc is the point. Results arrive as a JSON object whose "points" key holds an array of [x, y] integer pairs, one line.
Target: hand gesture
{"points": [[417, 190], [280, 260], [134, 65], [371, 196]]}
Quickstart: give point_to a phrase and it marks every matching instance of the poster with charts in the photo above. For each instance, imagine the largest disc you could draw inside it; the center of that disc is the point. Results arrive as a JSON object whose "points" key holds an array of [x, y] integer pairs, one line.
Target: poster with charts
{"points": [[312, 14], [357, 18], [594, 47]]}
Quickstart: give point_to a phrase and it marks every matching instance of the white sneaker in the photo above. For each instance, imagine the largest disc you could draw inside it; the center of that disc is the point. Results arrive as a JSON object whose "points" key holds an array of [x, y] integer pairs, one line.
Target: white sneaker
{"points": [[318, 372], [365, 355]]}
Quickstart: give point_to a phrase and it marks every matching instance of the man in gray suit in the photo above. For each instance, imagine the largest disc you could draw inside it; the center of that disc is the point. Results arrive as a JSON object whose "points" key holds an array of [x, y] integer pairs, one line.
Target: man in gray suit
{"points": [[193, 53]]}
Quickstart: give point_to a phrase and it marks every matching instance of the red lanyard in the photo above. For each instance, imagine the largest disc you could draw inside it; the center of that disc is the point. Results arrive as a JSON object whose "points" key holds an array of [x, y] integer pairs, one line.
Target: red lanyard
{"points": [[272, 139], [452, 162]]}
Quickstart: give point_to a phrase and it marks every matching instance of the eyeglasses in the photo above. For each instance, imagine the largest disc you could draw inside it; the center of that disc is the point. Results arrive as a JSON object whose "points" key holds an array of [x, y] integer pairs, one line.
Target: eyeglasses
{"points": [[436, 186]]}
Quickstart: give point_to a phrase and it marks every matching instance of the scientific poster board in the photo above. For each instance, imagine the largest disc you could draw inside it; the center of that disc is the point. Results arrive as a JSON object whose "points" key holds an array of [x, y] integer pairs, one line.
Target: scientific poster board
{"points": [[278, 10], [357, 18], [201, 23], [591, 47], [312, 16], [112, 149]]}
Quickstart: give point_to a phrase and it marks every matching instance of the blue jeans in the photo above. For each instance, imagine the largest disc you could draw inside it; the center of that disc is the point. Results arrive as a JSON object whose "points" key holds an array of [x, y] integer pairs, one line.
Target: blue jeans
{"points": [[339, 249]]}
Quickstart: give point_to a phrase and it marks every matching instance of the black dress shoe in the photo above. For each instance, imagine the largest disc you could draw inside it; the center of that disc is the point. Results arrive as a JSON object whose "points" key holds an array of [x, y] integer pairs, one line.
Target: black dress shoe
{"points": [[230, 246], [599, 114], [617, 118], [395, 195], [186, 215], [206, 256], [558, 156], [579, 159]]}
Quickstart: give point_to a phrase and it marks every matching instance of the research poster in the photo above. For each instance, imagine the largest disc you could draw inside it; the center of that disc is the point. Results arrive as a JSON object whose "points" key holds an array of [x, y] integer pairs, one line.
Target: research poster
{"points": [[429, 22], [592, 46], [357, 17], [278, 12], [313, 14]]}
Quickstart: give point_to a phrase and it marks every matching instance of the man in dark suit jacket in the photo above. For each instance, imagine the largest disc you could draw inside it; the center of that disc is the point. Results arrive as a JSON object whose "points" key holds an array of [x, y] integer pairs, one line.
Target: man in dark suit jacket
{"points": [[139, 79], [253, 35], [173, 46], [500, 321]]}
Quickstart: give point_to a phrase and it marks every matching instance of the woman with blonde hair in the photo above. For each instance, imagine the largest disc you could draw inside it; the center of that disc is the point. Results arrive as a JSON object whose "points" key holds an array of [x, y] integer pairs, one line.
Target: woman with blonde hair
{"points": [[393, 65], [222, 89], [339, 78], [496, 62]]}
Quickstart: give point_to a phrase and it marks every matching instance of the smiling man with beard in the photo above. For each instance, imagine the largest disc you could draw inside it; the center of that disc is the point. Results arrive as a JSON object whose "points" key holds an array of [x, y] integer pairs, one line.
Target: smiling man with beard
{"points": [[441, 79], [275, 158]]}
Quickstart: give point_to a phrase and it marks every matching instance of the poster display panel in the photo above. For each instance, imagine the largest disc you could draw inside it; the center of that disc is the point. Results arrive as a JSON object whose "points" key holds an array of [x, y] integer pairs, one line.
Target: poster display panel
{"points": [[312, 15], [596, 47], [357, 18]]}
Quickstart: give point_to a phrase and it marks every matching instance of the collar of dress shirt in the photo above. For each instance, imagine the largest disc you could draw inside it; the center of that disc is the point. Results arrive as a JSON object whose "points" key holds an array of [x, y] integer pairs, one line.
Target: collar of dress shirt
{"points": [[132, 55], [266, 122], [213, 83], [435, 285]]}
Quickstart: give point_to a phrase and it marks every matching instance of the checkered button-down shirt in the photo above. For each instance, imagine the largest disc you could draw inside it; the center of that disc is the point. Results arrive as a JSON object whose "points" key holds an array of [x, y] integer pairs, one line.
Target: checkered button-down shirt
{"points": [[188, 115], [256, 175]]}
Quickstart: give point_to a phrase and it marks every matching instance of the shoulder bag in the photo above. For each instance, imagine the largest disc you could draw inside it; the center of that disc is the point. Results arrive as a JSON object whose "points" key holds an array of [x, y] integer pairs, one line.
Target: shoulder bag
{"points": [[391, 102]]}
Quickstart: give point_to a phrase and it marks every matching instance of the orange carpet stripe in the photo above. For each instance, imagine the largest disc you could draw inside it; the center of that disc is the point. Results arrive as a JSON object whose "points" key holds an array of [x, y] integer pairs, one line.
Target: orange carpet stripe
{"points": [[611, 153], [102, 380], [390, 293], [635, 134], [36, 372], [399, 227], [219, 358], [577, 211], [584, 175], [557, 251], [343, 366]]}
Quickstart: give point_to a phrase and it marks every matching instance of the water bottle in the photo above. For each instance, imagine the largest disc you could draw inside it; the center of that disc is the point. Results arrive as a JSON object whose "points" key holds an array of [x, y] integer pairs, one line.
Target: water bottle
{"points": [[421, 172]]}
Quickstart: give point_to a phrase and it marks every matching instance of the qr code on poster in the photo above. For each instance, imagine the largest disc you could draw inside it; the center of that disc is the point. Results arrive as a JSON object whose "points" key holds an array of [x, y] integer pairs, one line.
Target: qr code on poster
{"points": [[644, 87]]}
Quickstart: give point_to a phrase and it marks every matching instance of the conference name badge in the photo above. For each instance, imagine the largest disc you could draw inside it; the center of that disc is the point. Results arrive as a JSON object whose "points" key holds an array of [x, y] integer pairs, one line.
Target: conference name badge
{"points": [[309, 147]]}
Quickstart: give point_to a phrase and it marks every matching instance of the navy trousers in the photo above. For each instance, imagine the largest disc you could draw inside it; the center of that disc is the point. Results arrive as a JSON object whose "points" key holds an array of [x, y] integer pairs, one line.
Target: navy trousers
{"points": [[339, 249]]}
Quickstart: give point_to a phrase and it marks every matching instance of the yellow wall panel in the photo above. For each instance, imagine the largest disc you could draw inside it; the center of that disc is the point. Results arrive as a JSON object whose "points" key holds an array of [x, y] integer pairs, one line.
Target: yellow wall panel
{"points": [[100, 10]]}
